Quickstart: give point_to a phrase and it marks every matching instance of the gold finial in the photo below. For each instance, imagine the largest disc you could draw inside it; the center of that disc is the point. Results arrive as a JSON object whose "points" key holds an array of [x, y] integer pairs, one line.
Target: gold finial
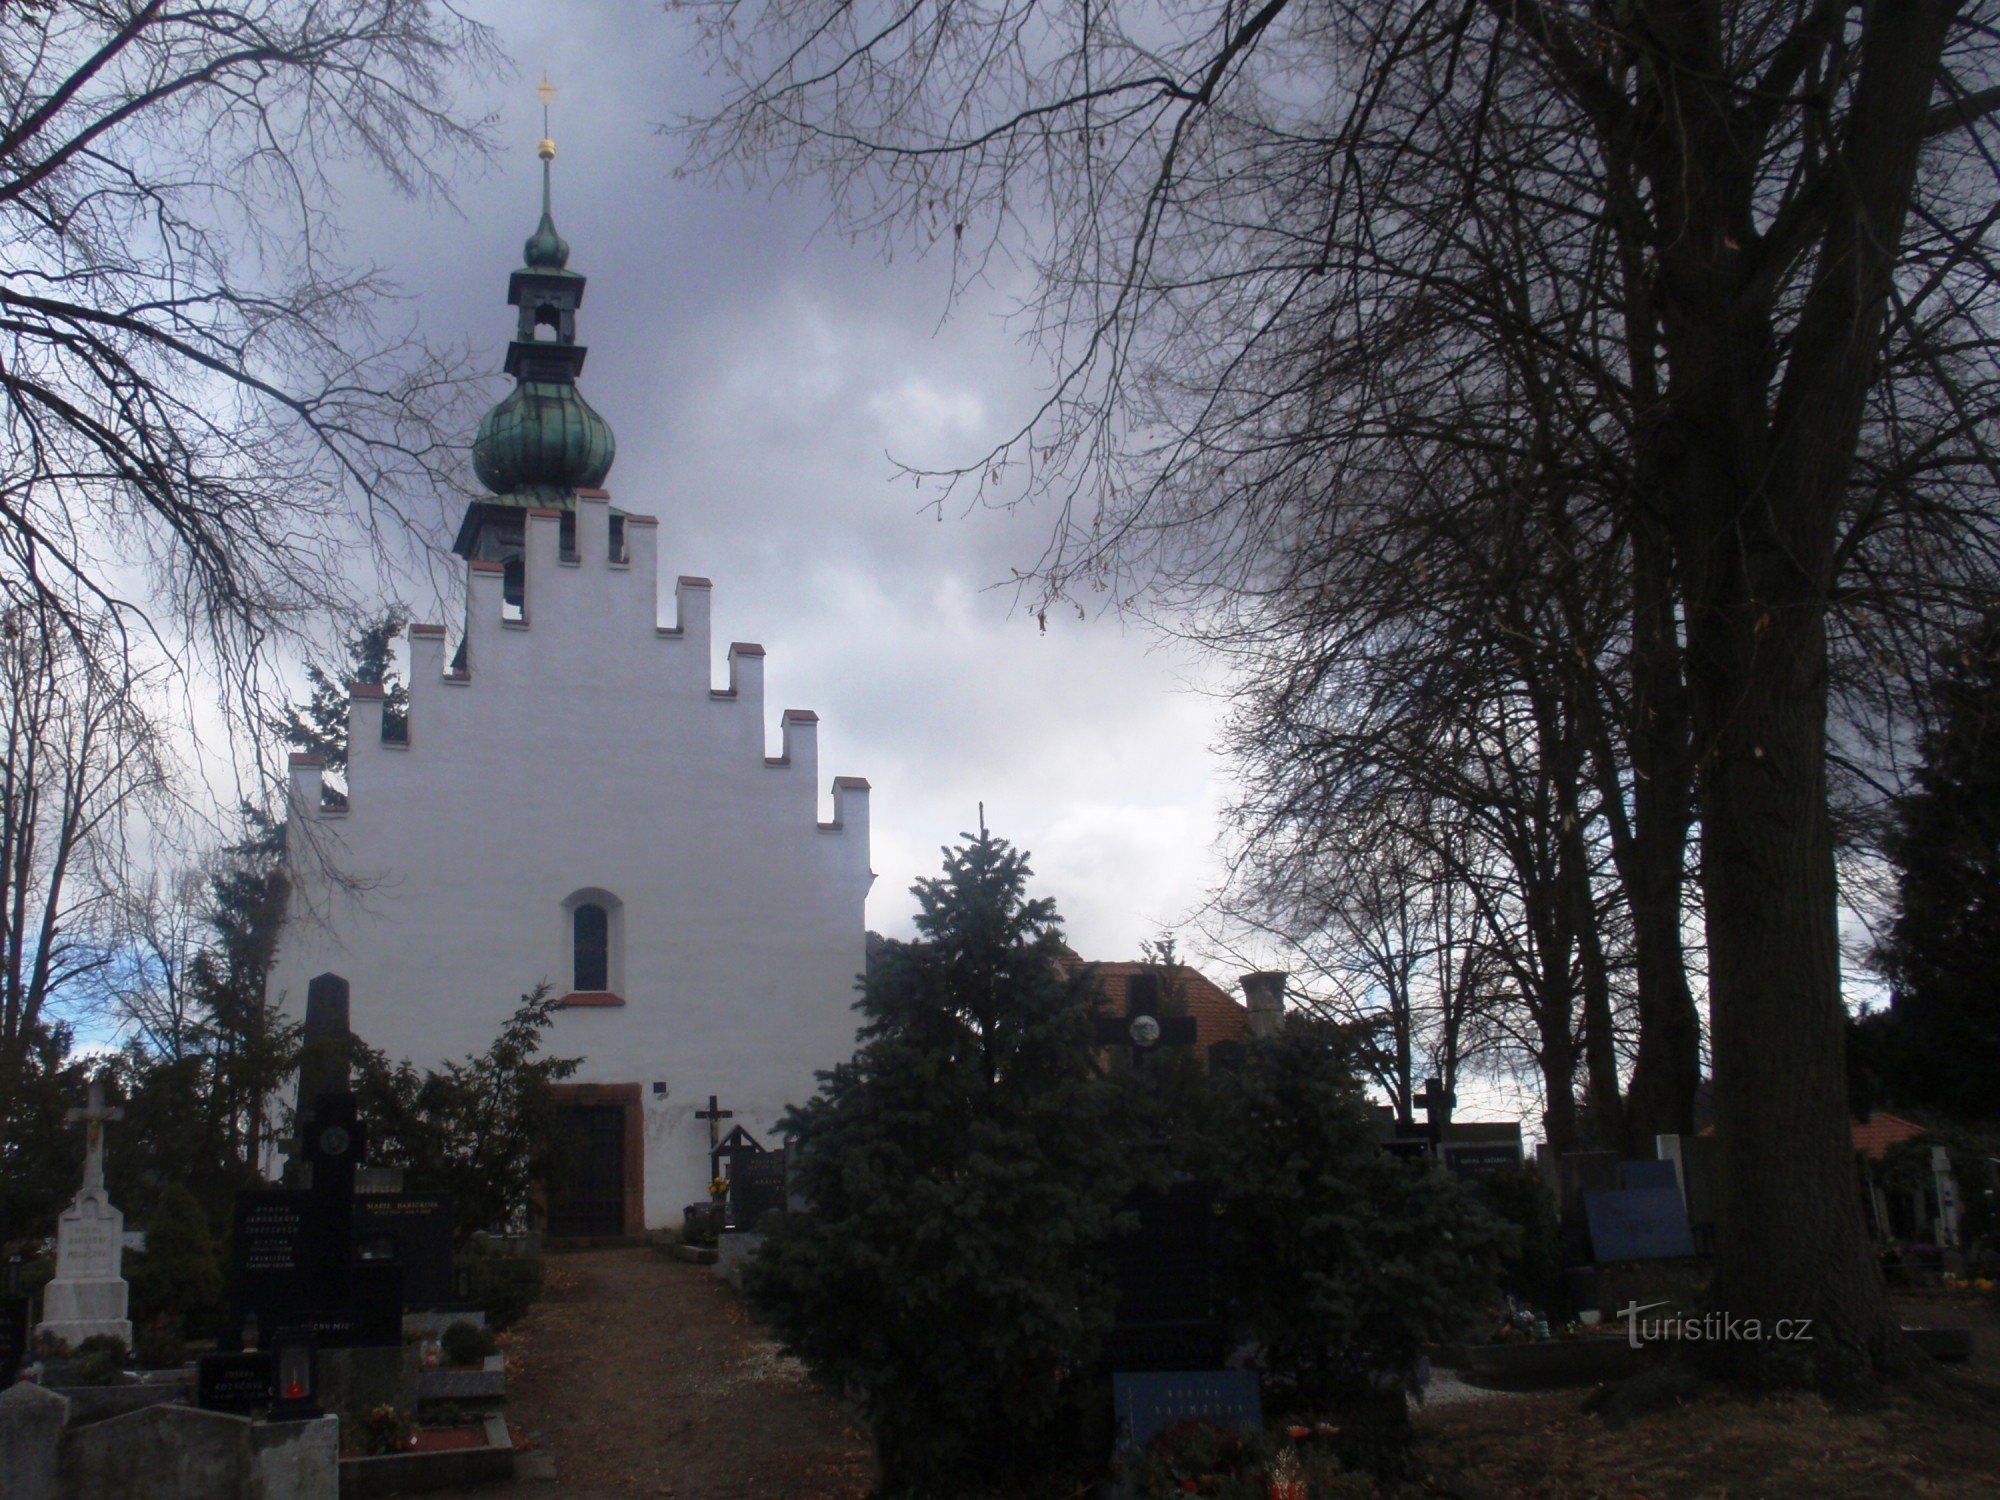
{"points": [[546, 92]]}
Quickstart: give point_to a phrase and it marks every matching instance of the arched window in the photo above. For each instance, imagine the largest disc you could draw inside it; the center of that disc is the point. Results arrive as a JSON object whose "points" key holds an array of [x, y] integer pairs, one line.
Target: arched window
{"points": [[590, 932], [593, 932]]}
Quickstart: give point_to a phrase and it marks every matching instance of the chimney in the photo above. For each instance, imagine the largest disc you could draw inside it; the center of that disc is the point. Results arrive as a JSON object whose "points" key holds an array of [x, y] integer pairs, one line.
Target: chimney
{"points": [[1264, 994]]}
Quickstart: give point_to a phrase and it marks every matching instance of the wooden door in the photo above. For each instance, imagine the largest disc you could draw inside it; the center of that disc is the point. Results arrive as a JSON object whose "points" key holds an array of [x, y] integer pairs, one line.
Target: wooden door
{"points": [[587, 1178]]}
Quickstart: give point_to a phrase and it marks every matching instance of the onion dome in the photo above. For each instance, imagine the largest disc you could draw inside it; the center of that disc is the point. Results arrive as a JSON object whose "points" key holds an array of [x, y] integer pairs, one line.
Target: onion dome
{"points": [[543, 442]]}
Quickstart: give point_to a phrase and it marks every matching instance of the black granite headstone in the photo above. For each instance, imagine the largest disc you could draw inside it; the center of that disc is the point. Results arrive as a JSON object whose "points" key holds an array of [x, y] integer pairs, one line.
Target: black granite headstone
{"points": [[272, 1275], [1165, 1314], [296, 1253], [1469, 1162], [240, 1383], [326, 1048], [756, 1188], [411, 1231]]}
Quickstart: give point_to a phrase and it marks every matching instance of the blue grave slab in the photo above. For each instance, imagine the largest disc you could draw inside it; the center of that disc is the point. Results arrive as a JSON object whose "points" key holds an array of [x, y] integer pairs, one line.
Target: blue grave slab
{"points": [[1648, 1174], [1647, 1223], [1149, 1400]]}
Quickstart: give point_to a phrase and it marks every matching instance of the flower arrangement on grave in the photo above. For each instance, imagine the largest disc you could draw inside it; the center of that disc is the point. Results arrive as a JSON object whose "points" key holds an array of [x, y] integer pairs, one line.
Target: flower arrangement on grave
{"points": [[1195, 1456], [387, 1430]]}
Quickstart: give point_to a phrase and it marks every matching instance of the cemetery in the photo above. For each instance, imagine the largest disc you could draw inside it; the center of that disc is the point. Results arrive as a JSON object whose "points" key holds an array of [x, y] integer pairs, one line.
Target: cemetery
{"points": [[1173, 1324], [445, 1046]]}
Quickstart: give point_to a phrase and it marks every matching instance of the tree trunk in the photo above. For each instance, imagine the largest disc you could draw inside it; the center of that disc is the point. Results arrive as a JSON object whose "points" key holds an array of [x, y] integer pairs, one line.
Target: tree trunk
{"points": [[1652, 862], [1760, 437], [1792, 1244]]}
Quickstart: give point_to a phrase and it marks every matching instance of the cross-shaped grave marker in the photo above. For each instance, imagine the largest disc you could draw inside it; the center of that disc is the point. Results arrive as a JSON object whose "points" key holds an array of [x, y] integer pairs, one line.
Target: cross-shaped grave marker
{"points": [[715, 1115], [1436, 1102], [1142, 1028], [94, 1115]]}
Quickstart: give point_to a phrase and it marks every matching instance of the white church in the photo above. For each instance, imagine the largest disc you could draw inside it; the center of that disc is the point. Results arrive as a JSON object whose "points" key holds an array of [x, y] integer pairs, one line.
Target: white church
{"points": [[578, 801]]}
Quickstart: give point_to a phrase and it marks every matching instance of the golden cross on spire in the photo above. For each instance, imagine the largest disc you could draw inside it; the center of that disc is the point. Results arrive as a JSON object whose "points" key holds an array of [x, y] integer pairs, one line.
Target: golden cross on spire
{"points": [[546, 92]]}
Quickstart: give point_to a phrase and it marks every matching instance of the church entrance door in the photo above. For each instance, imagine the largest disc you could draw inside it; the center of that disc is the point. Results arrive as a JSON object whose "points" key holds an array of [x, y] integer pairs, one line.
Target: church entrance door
{"points": [[587, 1179]]}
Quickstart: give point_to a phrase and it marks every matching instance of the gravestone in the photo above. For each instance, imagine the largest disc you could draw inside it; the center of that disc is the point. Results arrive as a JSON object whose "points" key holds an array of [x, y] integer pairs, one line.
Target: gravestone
{"points": [[1645, 1223], [1162, 1272], [1581, 1172], [756, 1188], [272, 1278], [296, 1262], [1148, 1403], [1469, 1163], [413, 1232], [1648, 1174], [1437, 1103], [240, 1383], [88, 1295], [31, 1429]]}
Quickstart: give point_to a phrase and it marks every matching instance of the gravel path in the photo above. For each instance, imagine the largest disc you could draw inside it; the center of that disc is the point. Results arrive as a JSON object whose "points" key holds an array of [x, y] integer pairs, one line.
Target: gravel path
{"points": [[642, 1375]]}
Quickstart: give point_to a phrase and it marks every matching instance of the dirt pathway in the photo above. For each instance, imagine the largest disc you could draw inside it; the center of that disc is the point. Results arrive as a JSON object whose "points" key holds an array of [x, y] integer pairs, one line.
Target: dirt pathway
{"points": [[642, 1375]]}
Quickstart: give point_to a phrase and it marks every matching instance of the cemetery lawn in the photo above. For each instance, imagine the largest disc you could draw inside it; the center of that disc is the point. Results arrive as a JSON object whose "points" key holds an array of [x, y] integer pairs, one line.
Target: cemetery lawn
{"points": [[642, 1375], [1780, 1447]]}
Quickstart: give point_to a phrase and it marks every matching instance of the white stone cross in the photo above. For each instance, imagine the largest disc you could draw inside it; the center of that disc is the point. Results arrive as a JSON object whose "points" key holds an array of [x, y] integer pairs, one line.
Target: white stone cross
{"points": [[94, 1117]]}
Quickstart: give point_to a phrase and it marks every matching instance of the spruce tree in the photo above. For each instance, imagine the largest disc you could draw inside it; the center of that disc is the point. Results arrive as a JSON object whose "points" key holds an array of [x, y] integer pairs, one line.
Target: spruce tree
{"points": [[1341, 1261], [962, 1168], [1941, 1038], [319, 725]]}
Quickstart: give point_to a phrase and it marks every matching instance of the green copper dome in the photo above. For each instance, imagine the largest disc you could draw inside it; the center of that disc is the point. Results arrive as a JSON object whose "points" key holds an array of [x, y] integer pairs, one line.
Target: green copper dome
{"points": [[546, 250], [543, 442], [543, 438]]}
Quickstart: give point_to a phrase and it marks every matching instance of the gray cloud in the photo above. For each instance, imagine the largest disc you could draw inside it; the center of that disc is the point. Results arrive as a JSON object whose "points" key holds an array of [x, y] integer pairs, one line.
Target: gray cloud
{"points": [[757, 374]]}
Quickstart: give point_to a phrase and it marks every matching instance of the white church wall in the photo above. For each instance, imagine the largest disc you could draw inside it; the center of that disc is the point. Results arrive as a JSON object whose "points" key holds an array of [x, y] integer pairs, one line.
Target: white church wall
{"points": [[585, 750]]}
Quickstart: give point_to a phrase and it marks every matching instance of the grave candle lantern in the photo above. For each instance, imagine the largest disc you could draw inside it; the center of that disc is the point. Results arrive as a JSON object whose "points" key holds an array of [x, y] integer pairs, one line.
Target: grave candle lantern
{"points": [[293, 1355]]}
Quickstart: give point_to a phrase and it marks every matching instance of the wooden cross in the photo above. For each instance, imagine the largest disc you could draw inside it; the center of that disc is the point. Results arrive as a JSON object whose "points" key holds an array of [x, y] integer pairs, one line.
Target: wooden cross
{"points": [[94, 1116], [1142, 1028], [714, 1116]]}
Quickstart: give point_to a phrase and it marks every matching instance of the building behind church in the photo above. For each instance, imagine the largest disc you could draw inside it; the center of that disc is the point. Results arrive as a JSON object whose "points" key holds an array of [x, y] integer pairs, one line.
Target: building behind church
{"points": [[576, 800]]}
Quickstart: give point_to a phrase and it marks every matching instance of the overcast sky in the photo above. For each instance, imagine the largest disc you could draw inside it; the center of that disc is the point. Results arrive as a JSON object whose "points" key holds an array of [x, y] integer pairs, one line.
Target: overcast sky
{"points": [[758, 374]]}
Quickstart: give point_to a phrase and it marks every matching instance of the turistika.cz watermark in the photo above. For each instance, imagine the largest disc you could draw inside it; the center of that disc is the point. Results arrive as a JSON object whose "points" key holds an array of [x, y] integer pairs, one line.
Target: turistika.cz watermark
{"points": [[1708, 1328]]}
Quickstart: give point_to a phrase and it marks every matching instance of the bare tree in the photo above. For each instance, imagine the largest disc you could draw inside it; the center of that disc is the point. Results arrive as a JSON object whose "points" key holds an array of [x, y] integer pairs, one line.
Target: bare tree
{"points": [[1381, 932], [1759, 235], [79, 762], [200, 414], [155, 933]]}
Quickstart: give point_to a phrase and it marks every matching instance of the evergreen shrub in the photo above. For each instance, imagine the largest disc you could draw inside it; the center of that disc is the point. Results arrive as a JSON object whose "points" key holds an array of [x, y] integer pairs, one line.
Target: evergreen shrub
{"points": [[160, 1345], [466, 1343], [1533, 1270], [504, 1287], [178, 1275], [961, 1168], [1341, 1261]]}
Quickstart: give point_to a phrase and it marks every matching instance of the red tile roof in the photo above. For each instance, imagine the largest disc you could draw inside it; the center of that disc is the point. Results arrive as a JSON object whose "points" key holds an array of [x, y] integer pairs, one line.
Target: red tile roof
{"points": [[1218, 1017], [1881, 1131], [1875, 1135]]}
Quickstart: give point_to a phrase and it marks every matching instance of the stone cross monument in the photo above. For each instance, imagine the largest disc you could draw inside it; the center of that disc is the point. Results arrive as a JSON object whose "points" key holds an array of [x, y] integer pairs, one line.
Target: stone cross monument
{"points": [[88, 1294]]}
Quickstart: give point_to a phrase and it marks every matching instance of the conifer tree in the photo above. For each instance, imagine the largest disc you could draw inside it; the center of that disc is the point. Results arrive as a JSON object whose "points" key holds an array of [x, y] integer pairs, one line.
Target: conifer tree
{"points": [[1943, 951], [961, 1168], [319, 726]]}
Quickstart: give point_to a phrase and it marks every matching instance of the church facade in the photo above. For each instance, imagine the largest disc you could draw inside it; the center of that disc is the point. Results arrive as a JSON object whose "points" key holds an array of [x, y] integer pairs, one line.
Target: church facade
{"points": [[576, 801]]}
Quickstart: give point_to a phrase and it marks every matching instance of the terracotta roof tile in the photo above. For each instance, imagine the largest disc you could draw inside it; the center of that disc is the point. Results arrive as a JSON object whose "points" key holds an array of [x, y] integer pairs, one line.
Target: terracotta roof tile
{"points": [[1881, 1131], [1218, 1017]]}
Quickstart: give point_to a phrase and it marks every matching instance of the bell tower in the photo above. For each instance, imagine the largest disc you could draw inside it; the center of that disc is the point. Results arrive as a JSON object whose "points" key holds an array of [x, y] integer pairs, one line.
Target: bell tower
{"points": [[543, 442]]}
